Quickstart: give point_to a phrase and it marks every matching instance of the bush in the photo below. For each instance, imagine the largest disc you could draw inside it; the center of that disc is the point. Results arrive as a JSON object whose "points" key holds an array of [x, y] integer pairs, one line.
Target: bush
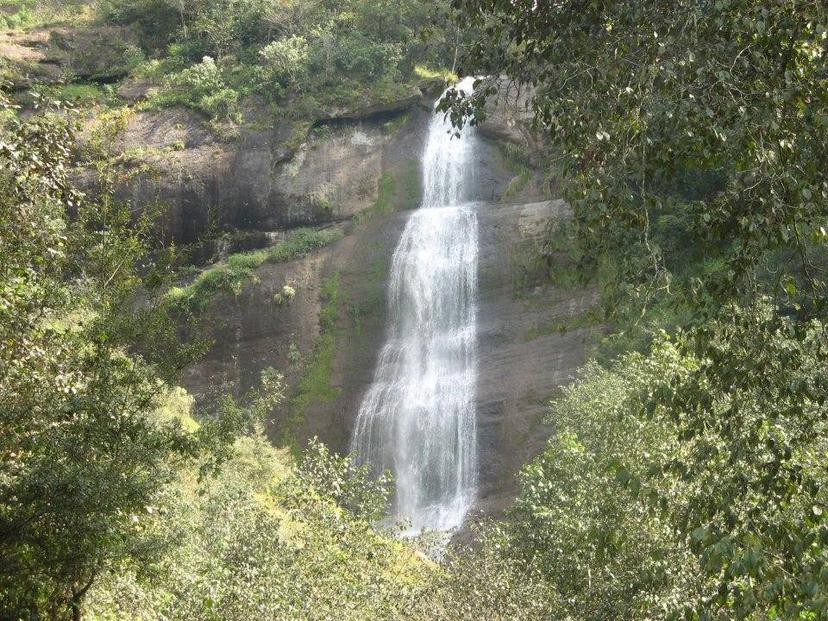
{"points": [[268, 539], [285, 61], [369, 59], [284, 295], [592, 538], [687, 483], [201, 87], [223, 104], [484, 582]]}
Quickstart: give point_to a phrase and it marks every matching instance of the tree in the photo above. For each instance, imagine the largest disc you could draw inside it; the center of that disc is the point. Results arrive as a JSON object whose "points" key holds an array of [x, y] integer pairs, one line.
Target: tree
{"points": [[688, 483], [271, 538], [85, 354], [716, 111], [751, 417]]}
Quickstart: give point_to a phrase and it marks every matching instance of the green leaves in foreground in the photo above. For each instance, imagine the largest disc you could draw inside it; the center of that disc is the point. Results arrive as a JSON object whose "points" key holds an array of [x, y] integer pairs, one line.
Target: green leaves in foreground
{"points": [[712, 111], [270, 539], [85, 370], [753, 418], [690, 483]]}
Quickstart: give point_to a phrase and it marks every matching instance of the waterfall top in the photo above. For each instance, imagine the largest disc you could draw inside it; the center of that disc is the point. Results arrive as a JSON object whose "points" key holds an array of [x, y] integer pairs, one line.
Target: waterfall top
{"points": [[446, 158]]}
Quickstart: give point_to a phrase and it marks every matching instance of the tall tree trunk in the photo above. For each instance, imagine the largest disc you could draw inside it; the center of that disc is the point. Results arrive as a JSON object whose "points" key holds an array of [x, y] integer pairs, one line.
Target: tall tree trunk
{"points": [[77, 615], [456, 48], [77, 599], [183, 21]]}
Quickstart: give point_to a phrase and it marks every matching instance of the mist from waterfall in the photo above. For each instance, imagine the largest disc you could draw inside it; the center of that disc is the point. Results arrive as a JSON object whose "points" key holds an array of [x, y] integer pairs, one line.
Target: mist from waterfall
{"points": [[417, 419]]}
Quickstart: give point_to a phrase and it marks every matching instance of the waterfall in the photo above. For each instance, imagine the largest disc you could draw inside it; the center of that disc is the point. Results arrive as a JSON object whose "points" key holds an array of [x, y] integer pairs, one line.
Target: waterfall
{"points": [[417, 419]]}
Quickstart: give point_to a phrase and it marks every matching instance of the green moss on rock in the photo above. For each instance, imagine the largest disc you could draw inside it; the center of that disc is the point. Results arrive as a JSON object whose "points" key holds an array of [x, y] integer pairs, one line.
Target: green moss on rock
{"points": [[230, 276], [315, 385]]}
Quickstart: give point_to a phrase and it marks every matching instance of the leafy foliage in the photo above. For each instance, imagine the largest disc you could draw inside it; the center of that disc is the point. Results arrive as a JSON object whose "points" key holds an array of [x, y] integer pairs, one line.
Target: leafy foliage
{"points": [[316, 386], [267, 539], [304, 56], [203, 87], [486, 581], [285, 60], [713, 112], [752, 420], [80, 454], [687, 483], [84, 369]]}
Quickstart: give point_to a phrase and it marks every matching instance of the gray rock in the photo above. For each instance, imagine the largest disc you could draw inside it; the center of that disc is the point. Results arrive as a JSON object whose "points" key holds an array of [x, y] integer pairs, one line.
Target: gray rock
{"points": [[256, 182], [508, 115], [524, 356]]}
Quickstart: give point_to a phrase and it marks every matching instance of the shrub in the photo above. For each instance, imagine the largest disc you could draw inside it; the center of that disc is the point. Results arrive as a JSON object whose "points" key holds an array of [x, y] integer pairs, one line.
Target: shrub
{"points": [[269, 539], [284, 295], [201, 87], [223, 104], [688, 482], [285, 61]]}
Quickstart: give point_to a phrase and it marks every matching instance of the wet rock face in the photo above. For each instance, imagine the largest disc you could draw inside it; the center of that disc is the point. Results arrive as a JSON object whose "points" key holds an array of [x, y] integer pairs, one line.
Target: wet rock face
{"points": [[275, 174], [508, 115], [264, 180], [332, 176], [531, 334], [252, 183], [252, 332], [531, 340]]}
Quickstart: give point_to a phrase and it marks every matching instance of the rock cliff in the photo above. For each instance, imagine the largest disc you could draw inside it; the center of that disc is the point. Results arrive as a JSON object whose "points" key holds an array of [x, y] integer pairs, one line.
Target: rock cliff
{"points": [[327, 339], [356, 170]]}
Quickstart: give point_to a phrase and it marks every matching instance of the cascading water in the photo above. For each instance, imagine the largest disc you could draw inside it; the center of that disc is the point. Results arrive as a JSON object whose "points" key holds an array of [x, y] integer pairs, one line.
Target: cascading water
{"points": [[417, 419]]}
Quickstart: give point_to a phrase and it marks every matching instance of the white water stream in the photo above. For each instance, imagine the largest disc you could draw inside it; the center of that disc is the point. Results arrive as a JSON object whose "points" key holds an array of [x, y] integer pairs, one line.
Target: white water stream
{"points": [[417, 418]]}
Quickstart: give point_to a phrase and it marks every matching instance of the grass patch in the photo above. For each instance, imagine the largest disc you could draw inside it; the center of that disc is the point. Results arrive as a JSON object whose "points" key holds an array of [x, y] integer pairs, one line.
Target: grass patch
{"points": [[411, 185], [142, 153], [531, 265], [517, 161], [230, 276], [396, 191], [19, 14], [315, 385], [552, 259], [84, 94], [372, 297], [386, 189], [385, 194], [394, 125], [426, 73], [517, 184]]}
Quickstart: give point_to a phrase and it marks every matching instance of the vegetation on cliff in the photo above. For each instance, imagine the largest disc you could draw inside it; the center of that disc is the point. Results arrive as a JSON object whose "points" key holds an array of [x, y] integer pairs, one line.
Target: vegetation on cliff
{"points": [[231, 275], [307, 60], [686, 478]]}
